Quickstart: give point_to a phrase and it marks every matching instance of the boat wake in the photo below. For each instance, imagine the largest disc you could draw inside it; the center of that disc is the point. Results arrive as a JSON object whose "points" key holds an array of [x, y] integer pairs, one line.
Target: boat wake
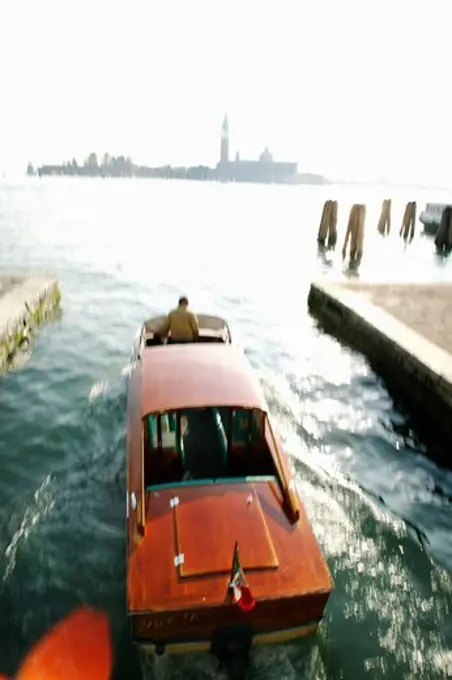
{"points": [[182, 667], [35, 512], [293, 661]]}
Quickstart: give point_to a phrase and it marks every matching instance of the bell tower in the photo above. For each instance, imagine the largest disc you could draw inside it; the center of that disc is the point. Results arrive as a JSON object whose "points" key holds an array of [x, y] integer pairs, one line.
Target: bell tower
{"points": [[224, 156]]}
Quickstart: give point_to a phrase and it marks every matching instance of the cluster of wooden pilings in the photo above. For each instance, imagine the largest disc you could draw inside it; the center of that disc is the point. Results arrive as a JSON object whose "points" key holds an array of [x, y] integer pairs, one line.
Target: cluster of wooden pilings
{"points": [[354, 236]]}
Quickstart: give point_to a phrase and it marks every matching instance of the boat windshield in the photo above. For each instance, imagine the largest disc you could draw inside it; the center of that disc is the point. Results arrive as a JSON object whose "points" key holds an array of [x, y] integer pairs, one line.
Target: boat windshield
{"points": [[206, 444]]}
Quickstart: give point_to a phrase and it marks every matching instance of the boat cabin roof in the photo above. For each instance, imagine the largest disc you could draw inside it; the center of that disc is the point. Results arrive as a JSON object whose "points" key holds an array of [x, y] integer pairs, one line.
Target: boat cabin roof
{"points": [[197, 375]]}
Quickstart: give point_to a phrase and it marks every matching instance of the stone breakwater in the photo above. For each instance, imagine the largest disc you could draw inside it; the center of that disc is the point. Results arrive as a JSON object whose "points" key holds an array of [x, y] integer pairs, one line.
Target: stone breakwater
{"points": [[405, 330], [26, 302]]}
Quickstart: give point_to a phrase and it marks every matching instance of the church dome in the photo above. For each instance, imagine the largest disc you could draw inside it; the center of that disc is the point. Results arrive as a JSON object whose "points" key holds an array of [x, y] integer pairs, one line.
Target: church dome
{"points": [[266, 156]]}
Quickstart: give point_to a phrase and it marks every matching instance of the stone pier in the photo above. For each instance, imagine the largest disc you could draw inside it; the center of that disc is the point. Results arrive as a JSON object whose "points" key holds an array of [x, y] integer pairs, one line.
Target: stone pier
{"points": [[405, 330], [26, 300]]}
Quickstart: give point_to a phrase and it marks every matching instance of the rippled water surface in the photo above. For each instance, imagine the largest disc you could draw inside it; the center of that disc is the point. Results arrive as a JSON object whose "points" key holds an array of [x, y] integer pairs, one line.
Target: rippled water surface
{"points": [[380, 506]]}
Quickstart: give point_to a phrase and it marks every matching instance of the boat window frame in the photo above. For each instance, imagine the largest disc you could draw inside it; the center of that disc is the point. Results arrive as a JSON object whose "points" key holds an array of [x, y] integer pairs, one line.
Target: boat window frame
{"points": [[249, 412], [282, 476], [147, 444]]}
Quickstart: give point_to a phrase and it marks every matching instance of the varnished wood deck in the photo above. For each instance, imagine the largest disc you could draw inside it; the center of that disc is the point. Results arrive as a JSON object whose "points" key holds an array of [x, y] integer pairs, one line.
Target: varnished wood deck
{"points": [[266, 538]]}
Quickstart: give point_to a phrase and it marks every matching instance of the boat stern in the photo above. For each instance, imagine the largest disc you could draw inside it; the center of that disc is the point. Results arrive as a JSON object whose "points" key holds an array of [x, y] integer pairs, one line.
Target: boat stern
{"points": [[226, 630]]}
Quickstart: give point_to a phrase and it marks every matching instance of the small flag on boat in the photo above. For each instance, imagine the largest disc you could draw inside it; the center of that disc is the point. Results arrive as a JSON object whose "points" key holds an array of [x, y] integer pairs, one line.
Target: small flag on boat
{"points": [[242, 594]]}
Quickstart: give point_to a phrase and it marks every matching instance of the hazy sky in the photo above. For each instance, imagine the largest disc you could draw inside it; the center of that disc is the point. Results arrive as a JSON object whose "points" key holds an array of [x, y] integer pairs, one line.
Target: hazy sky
{"points": [[348, 88]]}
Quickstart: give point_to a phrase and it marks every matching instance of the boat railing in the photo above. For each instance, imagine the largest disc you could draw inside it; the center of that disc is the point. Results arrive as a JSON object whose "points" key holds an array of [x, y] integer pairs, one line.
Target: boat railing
{"points": [[287, 486]]}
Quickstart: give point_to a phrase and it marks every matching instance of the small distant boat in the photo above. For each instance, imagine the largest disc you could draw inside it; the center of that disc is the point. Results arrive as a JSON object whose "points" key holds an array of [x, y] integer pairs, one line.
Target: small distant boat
{"points": [[431, 217], [220, 552]]}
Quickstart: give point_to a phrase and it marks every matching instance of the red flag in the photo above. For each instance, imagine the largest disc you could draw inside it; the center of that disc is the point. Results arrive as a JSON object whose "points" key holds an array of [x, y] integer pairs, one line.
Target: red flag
{"points": [[242, 594]]}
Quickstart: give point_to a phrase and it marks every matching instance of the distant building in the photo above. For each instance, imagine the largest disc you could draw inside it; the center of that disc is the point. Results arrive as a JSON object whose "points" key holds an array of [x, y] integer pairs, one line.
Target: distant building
{"points": [[264, 170], [224, 154]]}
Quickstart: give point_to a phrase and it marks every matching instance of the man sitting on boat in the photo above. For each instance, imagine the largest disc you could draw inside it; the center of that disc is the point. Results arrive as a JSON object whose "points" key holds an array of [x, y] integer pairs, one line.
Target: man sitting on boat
{"points": [[181, 323]]}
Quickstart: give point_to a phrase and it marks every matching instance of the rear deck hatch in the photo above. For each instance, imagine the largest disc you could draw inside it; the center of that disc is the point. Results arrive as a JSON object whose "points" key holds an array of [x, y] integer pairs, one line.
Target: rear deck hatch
{"points": [[210, 520]]}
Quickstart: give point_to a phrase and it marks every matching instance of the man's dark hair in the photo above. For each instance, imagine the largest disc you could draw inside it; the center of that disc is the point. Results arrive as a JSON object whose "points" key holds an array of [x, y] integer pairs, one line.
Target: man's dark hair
{"points": [[183, 300]]}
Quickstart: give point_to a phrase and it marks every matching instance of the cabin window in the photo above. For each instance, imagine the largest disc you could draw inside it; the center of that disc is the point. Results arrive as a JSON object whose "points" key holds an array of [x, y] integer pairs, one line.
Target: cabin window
{"points": [[247, 427], [168, 430], [205, 444], [163, 448]]}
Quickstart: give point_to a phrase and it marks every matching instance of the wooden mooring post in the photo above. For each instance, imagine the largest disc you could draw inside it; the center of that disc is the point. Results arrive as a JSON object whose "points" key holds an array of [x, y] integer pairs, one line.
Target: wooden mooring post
{"points": [[355, 233], [328, 225], [408, 222], [384, 223]]}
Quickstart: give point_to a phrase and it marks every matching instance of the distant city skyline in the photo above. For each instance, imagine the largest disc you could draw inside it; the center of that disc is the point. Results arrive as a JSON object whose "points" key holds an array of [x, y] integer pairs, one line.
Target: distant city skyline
{"points": [[263, 170], [344, 89]]}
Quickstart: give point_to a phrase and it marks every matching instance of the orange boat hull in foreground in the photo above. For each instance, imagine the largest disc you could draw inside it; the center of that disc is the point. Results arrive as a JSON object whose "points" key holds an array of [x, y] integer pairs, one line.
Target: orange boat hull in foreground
{"points": [[193, 496]]}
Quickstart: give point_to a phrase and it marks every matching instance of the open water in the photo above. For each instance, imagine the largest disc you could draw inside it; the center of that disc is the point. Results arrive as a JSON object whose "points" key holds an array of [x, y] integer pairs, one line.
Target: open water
{"points": [[380, 506]]}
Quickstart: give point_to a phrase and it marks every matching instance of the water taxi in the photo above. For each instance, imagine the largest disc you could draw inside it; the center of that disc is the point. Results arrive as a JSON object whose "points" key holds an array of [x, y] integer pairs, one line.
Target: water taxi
{"points": [[431, 217], [220, 553]]}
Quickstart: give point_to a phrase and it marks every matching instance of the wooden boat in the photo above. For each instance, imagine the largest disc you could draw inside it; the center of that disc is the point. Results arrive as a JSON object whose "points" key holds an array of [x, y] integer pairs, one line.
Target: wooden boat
{"points": [[212, 511]]}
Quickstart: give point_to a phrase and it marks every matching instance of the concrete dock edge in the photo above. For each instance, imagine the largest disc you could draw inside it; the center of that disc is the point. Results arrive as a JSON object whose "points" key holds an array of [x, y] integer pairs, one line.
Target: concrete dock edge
{"points": [[419, 370], [26, 301]]}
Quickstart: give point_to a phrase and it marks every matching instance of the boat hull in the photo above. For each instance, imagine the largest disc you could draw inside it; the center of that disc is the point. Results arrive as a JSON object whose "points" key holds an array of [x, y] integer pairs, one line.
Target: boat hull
{"points": [[199, 629], [281, 636], [431, 228]]}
